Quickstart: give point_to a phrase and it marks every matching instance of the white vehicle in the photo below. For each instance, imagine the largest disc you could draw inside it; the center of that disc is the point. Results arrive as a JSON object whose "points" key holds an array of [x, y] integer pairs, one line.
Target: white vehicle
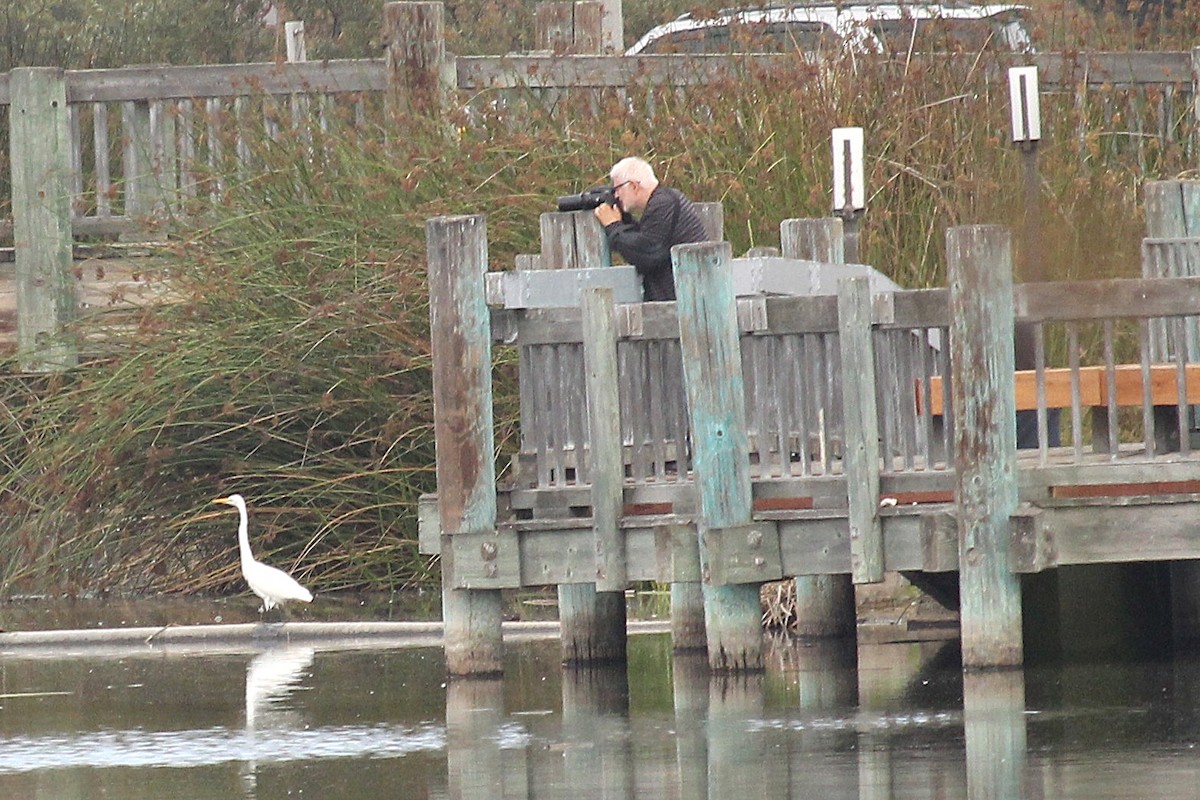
{"points": [[865, 27]]}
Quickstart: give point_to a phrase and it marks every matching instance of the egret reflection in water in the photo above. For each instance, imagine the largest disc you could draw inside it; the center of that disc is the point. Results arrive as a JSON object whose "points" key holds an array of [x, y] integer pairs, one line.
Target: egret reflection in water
{"points": [[271, 677]]}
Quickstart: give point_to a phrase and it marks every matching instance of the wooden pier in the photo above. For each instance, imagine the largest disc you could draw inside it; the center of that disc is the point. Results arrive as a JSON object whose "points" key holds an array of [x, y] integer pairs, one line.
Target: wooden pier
{"points": [[724, 441]]}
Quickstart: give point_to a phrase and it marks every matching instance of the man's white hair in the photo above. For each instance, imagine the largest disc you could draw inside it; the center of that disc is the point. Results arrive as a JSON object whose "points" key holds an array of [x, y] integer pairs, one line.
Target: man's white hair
{"points": [[632, 169]]}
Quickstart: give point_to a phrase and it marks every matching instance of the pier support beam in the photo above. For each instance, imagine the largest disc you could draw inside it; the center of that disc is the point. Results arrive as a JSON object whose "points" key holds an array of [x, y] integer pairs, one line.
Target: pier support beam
{"points": [[460, 337], [979, 258], [708, 336]]}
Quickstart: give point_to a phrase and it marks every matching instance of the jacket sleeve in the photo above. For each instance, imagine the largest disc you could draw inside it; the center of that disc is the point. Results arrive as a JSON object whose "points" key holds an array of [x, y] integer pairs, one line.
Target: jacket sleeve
{"points": [[644, 243]]}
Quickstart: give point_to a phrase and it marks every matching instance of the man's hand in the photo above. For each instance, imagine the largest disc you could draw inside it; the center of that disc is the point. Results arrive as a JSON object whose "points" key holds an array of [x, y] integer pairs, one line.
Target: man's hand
{"points": [[607, 214]]}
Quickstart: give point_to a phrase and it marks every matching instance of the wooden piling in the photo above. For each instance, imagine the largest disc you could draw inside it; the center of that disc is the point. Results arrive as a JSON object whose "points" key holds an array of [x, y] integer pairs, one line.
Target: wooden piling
{"points": [[420, 76], [825, 604], [592, 618], [572, 240], [813, 239], [1173, 211], [460, 336], [708, 335], [40, 150], [592, 615], [687, 598], [591, 624], [985, 441], [604, 422]]}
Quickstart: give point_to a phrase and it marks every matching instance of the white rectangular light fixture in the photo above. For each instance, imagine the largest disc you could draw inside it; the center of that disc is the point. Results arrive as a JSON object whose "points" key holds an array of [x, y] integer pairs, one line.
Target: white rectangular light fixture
{"points": [[849, 184], [1023, 96]]}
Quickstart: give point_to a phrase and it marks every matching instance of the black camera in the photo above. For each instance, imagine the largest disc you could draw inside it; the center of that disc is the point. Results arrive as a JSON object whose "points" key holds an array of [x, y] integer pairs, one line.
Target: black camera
{"points": [[593, 197]]}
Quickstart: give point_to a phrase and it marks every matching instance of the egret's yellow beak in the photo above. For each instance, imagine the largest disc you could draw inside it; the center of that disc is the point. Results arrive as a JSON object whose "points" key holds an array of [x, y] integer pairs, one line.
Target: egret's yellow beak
{"points": [[223, 501]]}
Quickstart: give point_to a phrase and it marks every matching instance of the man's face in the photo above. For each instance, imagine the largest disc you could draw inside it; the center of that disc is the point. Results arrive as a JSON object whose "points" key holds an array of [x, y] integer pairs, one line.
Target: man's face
{"points": [[630, 196]]}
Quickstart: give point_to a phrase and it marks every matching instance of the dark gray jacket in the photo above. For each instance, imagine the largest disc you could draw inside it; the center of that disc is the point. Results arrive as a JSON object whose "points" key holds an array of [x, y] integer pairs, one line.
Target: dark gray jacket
{"points": [[668, 219]]}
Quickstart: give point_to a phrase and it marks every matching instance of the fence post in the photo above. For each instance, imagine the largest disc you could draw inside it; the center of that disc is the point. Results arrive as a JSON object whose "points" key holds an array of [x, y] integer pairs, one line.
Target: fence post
{"points": [[982, 360], [708, 336], [460, 337], [825, 604], [569, 28], [420, 76], [612, 28], [293, 40], [607, 467], [40, 150]]}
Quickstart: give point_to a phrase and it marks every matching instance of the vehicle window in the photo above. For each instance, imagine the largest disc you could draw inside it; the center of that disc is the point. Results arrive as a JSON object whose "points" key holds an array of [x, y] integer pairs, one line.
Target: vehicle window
{"points": [[942, 35], [699, 40], [774, 37]]}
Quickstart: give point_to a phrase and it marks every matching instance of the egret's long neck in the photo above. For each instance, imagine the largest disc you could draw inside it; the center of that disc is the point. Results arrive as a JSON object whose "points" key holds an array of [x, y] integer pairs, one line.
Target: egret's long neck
{"points": [[244, 534]]}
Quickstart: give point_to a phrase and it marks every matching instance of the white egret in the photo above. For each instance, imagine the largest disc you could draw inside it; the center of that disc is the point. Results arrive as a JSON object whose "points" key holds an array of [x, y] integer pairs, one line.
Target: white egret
{"points": [[273, 585]]}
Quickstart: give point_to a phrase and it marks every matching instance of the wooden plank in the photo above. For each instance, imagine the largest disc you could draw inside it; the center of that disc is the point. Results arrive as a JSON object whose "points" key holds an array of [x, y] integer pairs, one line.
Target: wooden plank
{"points": [[1144, 489], [224, 80], [1093, 387], [1164, 386], [1112, 298], [747, 553], [1057, 71], [1058, 389], [1097, 534]]}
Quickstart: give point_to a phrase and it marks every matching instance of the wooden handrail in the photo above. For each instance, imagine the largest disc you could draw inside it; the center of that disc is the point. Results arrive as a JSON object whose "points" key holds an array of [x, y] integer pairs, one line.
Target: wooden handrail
{"points": [[1093, 387]]}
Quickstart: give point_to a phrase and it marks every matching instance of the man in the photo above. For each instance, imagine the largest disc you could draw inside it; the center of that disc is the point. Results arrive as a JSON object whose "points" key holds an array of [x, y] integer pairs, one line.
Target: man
{"points": [[667, 218]]}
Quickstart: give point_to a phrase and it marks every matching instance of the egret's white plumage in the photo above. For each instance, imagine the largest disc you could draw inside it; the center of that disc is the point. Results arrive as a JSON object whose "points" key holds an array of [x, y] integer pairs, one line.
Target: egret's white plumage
{"points": [[273, 585]]}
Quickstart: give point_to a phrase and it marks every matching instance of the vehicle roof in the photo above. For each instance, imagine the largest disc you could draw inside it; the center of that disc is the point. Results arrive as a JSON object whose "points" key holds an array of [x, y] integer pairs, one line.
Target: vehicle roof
{"points": [[839, 16]]}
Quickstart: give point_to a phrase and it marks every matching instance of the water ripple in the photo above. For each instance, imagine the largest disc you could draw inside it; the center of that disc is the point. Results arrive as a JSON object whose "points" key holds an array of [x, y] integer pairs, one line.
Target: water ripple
{"points": [[195, 748]]}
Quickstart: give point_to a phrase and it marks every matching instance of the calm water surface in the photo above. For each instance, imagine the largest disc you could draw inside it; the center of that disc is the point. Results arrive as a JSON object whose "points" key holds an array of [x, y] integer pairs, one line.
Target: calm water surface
{"points": [[289, 721]]}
